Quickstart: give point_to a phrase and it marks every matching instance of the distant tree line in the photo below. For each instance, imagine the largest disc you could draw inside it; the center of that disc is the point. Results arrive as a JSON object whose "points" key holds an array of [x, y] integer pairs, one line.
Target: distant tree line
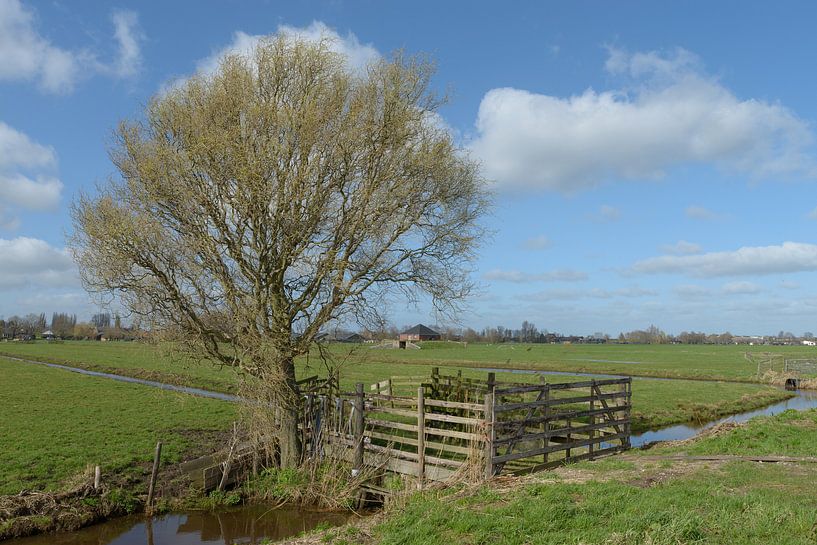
{"points": [[65, 326]]}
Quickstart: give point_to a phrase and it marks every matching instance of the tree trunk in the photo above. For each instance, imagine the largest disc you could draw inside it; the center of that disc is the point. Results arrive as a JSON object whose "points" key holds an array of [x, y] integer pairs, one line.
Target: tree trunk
{"points": [[289, 438]]}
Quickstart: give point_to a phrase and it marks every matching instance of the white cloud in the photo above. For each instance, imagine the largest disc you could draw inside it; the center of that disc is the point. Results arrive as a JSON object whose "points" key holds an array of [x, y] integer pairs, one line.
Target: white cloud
{"points": [[518, 277], [672, 113], [789, 285], [30, 262], [682, 247], [26, 176], [26, 55], [540, 242], [813, 214], [18, 150], [357, 54], [741, 288], [749, 260], [40, 193], [128, 37], [701, 213]]}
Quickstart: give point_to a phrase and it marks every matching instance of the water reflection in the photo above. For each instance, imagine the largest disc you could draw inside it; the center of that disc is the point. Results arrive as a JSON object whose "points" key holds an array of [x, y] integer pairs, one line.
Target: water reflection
{"points": [[247, 525]]}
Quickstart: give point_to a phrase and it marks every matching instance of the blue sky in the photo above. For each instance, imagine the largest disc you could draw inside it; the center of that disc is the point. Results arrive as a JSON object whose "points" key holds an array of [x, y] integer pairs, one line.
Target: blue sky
{"points": [[652, 163]]}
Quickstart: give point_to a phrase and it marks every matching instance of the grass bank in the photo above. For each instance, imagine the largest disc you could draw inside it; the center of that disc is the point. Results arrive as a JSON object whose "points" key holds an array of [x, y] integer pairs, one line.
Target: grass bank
{"points": [[626, 500]]}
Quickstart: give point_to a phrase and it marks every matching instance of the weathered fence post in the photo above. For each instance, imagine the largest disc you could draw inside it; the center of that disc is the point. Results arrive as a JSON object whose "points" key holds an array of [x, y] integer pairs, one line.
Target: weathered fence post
{"points": [[592, 416], [435, 381], [491, 382], [546, 417], [152, 485], [490, 434], [358, 429], [97, 477], [421, 436], [628, 387]]}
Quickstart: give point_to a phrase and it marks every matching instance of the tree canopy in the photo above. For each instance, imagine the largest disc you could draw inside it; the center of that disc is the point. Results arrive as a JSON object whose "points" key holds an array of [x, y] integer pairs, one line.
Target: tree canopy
{"points": [[287, 190]]}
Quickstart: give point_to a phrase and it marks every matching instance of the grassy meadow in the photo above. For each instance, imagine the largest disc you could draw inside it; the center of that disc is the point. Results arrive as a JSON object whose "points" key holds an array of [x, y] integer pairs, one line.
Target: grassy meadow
{"points": [[56, 423], [630, 499]]}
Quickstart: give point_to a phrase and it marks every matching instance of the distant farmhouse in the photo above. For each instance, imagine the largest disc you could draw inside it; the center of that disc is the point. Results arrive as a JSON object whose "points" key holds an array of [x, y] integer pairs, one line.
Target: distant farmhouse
{"points": [[420, 333], [341, 337]]}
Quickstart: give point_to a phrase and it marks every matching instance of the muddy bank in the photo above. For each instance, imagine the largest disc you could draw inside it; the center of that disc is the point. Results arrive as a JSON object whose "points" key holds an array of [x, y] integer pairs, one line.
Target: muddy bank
{"points": [[29, 513]]}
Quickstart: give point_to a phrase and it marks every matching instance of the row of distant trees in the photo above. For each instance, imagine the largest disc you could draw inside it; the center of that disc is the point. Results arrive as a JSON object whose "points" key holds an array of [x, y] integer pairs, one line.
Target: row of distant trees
{"points": [[65, 326], [529, 333]]}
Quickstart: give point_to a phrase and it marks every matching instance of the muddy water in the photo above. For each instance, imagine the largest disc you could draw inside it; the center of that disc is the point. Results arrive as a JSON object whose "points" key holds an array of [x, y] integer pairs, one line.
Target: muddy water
{"points": [[246, 525]]}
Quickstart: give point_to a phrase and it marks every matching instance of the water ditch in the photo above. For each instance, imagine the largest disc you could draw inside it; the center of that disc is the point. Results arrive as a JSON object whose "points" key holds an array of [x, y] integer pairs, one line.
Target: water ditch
{"points": [[249, 525]]}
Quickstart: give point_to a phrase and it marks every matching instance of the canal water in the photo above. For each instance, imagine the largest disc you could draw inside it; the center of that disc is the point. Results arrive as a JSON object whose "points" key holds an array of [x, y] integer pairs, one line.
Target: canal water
{"points": [[246, 525]]}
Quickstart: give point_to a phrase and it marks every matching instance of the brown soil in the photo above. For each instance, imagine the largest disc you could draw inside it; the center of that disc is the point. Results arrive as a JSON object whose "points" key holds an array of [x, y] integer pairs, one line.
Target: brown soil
{"points": [[29, 513]]}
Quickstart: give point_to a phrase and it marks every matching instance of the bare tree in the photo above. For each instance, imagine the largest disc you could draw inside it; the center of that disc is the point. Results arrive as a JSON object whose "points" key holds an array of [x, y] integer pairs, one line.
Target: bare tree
{"points": [[281, 193]]}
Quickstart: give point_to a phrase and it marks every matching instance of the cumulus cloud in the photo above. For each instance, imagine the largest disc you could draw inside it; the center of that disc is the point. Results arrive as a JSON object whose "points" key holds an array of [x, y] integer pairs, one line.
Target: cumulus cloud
{"points": [[358, 55], [518, 277], [670, 113], [26, 55], [750, 260], [682, 247], [30, 262], [540, 242], [26, 176]]}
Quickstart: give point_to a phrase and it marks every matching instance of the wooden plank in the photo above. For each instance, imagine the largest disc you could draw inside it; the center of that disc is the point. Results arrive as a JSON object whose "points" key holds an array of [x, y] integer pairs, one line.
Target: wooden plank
{"points": [[566, 446], [523, 388], [400, 400], [561, 415], [395, 412], [606, 406], [430, 445], [454, 405], [453, 419], [554, 401], [406, 455], [421, 435], [561, 431], [371, 422]]}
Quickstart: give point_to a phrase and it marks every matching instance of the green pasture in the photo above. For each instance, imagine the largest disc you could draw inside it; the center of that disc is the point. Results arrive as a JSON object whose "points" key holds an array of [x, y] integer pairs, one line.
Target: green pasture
{"points": [[740, 503], [633, 500], [55, 423]]}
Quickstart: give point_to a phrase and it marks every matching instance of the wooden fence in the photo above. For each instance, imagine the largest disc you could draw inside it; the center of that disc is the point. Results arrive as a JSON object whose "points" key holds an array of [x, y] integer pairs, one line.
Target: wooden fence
{"points": [[476, 428]]}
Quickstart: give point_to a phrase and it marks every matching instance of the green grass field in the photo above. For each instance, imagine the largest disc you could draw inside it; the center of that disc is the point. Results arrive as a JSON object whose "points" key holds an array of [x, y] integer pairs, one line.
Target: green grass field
{"points": [[630, 500], [722, 362], [55, 423], [655, 403]]}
